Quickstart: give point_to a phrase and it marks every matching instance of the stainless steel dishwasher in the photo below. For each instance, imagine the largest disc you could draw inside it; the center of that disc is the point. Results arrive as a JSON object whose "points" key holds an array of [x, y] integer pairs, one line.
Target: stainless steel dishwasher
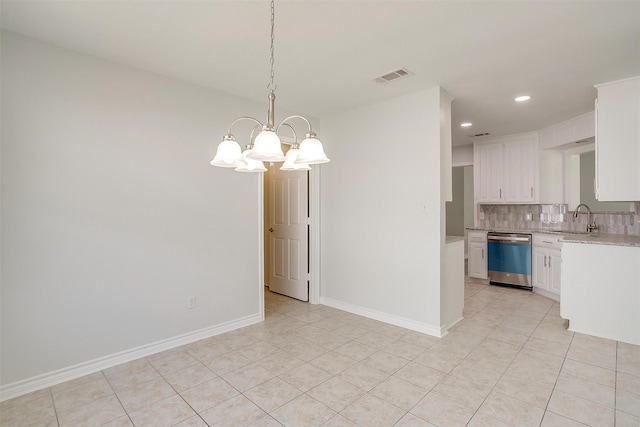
{"points": [[509, 259]]}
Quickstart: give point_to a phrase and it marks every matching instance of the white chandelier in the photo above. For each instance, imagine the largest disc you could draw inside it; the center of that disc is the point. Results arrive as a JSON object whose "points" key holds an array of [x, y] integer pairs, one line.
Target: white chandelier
{"points": [[266, 146]]}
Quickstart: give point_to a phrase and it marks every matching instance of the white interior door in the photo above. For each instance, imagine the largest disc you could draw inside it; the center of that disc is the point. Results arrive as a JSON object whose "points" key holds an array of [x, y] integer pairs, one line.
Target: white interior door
{"points": [[288, 236]]}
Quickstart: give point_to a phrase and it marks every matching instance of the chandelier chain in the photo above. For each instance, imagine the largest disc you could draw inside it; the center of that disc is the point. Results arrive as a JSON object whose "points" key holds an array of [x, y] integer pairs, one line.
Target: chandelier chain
{"points": [[271, 86], [267, 144]]}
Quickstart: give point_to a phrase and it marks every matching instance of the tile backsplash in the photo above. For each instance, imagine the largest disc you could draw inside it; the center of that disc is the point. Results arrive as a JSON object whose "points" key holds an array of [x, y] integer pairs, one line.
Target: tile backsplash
{"points": [[558, 218]]}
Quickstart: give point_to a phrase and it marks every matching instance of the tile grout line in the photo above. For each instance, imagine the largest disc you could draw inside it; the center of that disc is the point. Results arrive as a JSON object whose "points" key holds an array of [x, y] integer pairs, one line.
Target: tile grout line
{"points": [[564, 359], [615, 388], [53, 402], [118, 397]]}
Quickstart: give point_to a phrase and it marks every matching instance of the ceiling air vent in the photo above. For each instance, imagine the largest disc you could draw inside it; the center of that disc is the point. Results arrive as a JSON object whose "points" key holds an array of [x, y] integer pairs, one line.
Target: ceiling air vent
{"points": [[480, 134], [394, 75]]}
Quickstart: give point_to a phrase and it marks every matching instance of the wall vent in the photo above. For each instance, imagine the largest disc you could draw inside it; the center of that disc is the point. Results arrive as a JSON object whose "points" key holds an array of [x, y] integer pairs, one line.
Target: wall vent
{"points": [[394, 75]]}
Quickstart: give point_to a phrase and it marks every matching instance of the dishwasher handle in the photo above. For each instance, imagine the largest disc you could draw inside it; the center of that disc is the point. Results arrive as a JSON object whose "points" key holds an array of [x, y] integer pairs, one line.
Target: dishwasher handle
{"points": [[509, 239]]}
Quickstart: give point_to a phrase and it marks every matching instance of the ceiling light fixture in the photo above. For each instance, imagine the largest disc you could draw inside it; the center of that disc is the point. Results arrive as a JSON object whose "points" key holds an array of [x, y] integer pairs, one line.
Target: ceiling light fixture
{"points": [[267, 146], [522, 98], [465, 124]]}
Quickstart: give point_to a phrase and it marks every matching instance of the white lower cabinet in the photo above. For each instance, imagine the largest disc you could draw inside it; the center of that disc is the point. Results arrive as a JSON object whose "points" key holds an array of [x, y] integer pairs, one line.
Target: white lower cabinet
{"points": [[555, 261], [477, 247], [539, 268], [547, 261]]}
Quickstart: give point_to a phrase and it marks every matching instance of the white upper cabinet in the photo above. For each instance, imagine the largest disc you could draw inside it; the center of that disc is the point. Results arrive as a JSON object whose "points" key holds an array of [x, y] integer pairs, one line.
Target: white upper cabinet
{"points": [[521, 167], [573, 130], [618, 140], [506, 169], [489, 172]]}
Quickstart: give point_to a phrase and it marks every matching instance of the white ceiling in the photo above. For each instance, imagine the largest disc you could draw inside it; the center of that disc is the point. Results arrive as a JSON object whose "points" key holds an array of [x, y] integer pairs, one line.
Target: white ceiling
{"points": [[483, 53]]}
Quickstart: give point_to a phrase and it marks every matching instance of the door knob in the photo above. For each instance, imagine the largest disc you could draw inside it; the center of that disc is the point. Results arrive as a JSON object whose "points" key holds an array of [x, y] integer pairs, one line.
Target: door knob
{"points": [[271, 229]]}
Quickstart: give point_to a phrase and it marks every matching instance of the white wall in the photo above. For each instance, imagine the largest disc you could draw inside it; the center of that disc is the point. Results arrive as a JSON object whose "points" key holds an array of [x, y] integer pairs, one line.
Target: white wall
{"points": [[462, 155], [111, 213], [381, 207]]}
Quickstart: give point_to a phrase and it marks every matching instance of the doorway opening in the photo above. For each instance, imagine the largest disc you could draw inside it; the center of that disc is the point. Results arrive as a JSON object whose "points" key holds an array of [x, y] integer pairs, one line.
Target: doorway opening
{"points": [[459, 212], [287, 232]]}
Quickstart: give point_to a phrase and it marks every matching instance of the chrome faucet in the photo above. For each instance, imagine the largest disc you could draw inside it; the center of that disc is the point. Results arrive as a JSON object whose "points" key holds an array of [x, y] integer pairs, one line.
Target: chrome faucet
{"points": [[591, 226]]}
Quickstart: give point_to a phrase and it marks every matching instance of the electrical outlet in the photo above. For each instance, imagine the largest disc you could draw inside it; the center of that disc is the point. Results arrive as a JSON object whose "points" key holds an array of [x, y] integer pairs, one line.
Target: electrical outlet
{"points": [[481, 215], [528, 217], [191, 302]]}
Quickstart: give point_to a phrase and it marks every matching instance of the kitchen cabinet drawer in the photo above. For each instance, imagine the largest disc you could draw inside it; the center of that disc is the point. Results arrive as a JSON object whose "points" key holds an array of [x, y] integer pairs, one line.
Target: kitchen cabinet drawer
{"points": [[547, 241], [477, 236]]}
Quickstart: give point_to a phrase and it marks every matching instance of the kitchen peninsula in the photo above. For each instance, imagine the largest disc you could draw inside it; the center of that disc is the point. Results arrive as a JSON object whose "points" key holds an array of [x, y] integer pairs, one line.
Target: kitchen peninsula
{"points": [[604, 302]]}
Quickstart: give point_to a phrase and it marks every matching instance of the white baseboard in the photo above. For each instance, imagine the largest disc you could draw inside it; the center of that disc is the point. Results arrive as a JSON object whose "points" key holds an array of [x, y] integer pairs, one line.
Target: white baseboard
{"points": [[385, 317], [447, 328], [49, 379]]}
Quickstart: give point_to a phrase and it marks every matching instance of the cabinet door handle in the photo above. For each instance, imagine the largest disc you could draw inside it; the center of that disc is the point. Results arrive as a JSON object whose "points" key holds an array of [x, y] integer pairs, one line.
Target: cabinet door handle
{"points": [[531, 191], [549, 262], [545, 261], [483, 253], [501, 193]]}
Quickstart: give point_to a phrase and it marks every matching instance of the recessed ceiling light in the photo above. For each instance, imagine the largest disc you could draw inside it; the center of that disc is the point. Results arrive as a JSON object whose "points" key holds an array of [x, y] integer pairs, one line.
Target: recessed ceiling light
{"points": [[523, 98], [465, 124]]}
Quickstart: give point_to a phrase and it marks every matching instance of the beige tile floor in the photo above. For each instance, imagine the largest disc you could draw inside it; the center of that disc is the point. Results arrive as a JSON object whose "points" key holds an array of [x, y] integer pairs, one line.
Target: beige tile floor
{"points": [[511, 362]]}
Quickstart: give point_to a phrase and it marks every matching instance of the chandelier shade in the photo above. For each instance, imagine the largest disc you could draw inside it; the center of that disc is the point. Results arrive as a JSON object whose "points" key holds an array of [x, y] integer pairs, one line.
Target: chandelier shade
{"points": [[311, 151], [267, 146], [250, 164], [290, 161], [228, 154]]}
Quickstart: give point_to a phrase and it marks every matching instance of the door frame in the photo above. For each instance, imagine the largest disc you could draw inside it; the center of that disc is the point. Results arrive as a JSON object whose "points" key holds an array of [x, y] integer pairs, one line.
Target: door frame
{"points": [[314, 238]]}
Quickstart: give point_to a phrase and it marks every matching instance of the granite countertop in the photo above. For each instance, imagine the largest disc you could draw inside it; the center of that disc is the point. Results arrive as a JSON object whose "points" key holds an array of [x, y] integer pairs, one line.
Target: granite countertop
{"points": [[518, 230], [595, 238], [603, 239], [451, 239]]}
